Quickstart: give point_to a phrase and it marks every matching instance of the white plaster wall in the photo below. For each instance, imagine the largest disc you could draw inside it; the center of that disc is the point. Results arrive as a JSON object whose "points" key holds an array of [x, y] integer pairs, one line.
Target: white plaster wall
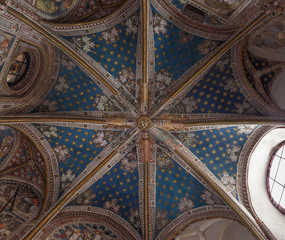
{"points": [[257, 174], [216, 229]]}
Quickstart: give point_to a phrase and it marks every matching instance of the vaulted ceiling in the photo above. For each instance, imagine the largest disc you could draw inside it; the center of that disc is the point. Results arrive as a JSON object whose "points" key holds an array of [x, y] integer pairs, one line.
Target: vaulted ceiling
{"points": [[136, 119]]}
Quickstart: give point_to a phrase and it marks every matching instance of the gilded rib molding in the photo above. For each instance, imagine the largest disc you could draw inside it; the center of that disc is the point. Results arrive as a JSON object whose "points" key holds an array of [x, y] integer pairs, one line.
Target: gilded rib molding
{"points": [[12, 169], [64, 47], [183, 125], [54, 210], [144, 88], [110, 122], [178, 148], [166, 101]]}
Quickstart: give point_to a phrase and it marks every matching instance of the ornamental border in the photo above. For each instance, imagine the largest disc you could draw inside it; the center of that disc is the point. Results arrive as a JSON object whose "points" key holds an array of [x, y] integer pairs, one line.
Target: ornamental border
{"points": [[96, 26], [186, 24], [247, 90], [50, 159], [95, 213], [197, 214]]}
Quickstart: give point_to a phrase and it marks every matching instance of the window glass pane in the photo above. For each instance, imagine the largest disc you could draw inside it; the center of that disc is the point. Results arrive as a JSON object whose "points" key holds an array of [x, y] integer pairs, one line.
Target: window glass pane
{"points": [[280, 151], [274, 167], [283, 152], [276, 192], [276, 178], [282, 202], [280, 177]]}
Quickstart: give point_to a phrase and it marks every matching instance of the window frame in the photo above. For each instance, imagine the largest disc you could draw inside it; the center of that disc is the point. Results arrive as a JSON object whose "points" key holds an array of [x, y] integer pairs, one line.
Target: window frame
{"points": [[19, 77], [273, 201]]}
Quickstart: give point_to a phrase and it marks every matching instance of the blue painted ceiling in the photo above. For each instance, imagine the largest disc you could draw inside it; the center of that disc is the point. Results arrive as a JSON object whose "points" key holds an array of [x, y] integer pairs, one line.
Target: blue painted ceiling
{"points": [[176, 52]]}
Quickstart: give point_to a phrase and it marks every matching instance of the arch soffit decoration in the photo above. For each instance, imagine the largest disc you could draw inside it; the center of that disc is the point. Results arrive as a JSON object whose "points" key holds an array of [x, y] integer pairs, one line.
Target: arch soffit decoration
{"points": [[73, 214], [42, 82], [26, 217], [215, 32], [7, 180], [28, 81], [21, 183], [56, 15], [237, 16], [4, 162], [50, 159], [257, 42], [248, 91], [195, 215], [76, 29]]}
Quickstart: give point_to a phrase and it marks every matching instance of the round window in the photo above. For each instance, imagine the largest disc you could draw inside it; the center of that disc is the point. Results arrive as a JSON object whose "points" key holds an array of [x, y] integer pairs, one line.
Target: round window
{"points": [[18, 71], [276, 178]]}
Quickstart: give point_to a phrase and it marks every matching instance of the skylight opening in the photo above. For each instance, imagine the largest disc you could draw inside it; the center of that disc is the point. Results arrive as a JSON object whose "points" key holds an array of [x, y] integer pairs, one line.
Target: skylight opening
{"points": [[276, 178]]}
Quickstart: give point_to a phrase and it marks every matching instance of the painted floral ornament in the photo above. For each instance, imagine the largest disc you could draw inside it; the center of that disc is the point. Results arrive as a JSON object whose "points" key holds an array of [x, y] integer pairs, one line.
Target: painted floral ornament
{"points": [[3, 6], [274, 7]]}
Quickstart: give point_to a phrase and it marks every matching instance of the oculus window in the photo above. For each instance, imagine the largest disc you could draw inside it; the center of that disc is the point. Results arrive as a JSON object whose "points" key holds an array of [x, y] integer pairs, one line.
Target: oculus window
{"points": [[18, 70], [276, 178]]}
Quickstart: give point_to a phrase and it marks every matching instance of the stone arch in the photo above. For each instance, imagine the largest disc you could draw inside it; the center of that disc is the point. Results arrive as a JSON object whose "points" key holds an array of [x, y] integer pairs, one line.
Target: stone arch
{"points": [[252, 175], [189, 217], [52, 171], [38, 80], [91, 218]]}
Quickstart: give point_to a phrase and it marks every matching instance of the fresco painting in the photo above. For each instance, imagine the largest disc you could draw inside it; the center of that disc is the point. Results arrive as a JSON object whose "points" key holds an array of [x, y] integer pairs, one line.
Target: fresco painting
{"points": [[270, 41], [17, 204], [26, 202], [54, 7], [223, 8], [273, 36], [7, 141], [5, 44], [8, 223], [83, 231]]}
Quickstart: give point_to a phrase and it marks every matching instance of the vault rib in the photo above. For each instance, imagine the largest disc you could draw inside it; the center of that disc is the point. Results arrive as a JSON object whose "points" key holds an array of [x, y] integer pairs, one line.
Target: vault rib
{"points": [[253, 96], [179, 149], [179, 91], [74, 190], [71, 121], [190, 122], [59, 42], [12, 169], [144, 88], [147, 173]]}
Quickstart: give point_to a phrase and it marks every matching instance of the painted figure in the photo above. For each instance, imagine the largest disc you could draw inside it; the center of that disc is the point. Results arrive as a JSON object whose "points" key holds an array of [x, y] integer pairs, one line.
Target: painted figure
{"points": [[83, 232], [6, 145], [52, 6], [5, 40], [272, 37]]}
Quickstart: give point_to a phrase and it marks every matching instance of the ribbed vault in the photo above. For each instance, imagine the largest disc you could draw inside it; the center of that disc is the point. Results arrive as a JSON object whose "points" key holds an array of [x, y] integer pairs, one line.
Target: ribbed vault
{"points": [[149, 111]]}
